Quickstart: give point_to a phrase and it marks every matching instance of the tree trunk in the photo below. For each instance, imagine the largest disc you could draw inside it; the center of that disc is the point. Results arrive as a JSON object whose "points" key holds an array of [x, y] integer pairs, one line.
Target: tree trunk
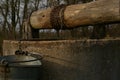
{"points": [[96, 12], [26, 30]]}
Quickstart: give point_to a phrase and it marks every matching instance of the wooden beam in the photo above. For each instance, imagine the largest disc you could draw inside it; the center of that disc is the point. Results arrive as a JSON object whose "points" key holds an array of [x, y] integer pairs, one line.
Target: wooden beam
{"points": [[101, 11]]}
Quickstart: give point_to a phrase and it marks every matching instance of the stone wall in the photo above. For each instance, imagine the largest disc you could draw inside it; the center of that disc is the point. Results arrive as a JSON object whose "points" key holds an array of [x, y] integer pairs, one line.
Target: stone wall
{"points": [[74, 59]]}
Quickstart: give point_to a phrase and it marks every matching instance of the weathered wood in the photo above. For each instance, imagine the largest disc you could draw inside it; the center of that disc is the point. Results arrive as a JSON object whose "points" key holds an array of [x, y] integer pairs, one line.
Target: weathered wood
{"points": [[101, 11]]}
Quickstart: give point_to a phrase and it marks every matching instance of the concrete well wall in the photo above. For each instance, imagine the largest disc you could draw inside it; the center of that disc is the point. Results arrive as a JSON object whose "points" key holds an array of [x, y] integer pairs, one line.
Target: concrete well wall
{"points": [[74, 59]]}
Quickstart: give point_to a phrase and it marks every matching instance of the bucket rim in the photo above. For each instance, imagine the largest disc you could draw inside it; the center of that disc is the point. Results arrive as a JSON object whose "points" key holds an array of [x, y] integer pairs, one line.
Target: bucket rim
{"points": [[19, 61]]}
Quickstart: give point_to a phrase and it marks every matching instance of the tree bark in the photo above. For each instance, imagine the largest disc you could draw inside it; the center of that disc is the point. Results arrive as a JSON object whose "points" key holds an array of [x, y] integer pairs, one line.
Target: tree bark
{"points": [[96, 12]]}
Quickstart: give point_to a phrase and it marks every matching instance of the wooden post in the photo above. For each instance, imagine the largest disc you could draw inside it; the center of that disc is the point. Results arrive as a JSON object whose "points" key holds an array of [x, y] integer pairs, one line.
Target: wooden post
{"points": [[35, 33]]}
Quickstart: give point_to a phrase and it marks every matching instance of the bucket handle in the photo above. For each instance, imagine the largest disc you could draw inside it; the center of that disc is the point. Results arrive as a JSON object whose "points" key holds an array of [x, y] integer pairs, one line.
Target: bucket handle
{"points": [[4, 62], [20, 52]]}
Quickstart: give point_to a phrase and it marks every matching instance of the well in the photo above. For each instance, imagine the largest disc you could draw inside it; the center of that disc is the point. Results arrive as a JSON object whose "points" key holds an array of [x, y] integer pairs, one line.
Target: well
{"points": [[74, 59]]}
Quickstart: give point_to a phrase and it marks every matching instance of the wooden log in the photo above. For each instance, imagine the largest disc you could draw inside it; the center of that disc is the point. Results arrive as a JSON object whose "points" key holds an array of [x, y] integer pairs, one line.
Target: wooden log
{"points": [[101, 11]]}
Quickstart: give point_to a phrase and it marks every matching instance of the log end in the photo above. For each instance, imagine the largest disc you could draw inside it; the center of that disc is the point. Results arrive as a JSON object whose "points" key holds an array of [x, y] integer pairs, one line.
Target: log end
{"points": [[40, 19]]}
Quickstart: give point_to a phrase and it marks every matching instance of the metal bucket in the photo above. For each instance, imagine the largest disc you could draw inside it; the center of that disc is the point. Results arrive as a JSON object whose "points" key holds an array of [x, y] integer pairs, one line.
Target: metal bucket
{"points": [[20, 67]]}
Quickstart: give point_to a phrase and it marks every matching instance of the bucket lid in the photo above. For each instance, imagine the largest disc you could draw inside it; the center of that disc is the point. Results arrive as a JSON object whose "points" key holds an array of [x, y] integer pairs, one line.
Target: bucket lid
{"points": [[20, 61]]}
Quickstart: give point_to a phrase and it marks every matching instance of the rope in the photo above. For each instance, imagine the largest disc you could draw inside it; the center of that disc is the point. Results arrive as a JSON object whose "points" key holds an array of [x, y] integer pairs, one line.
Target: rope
{"points": [[57, 17]]}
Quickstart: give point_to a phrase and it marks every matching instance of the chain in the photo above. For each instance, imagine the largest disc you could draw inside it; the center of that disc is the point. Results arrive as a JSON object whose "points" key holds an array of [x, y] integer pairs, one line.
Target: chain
{"points": [[6, 72], [57, 17], [19, 45], [5, 68], [19, 51]]}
